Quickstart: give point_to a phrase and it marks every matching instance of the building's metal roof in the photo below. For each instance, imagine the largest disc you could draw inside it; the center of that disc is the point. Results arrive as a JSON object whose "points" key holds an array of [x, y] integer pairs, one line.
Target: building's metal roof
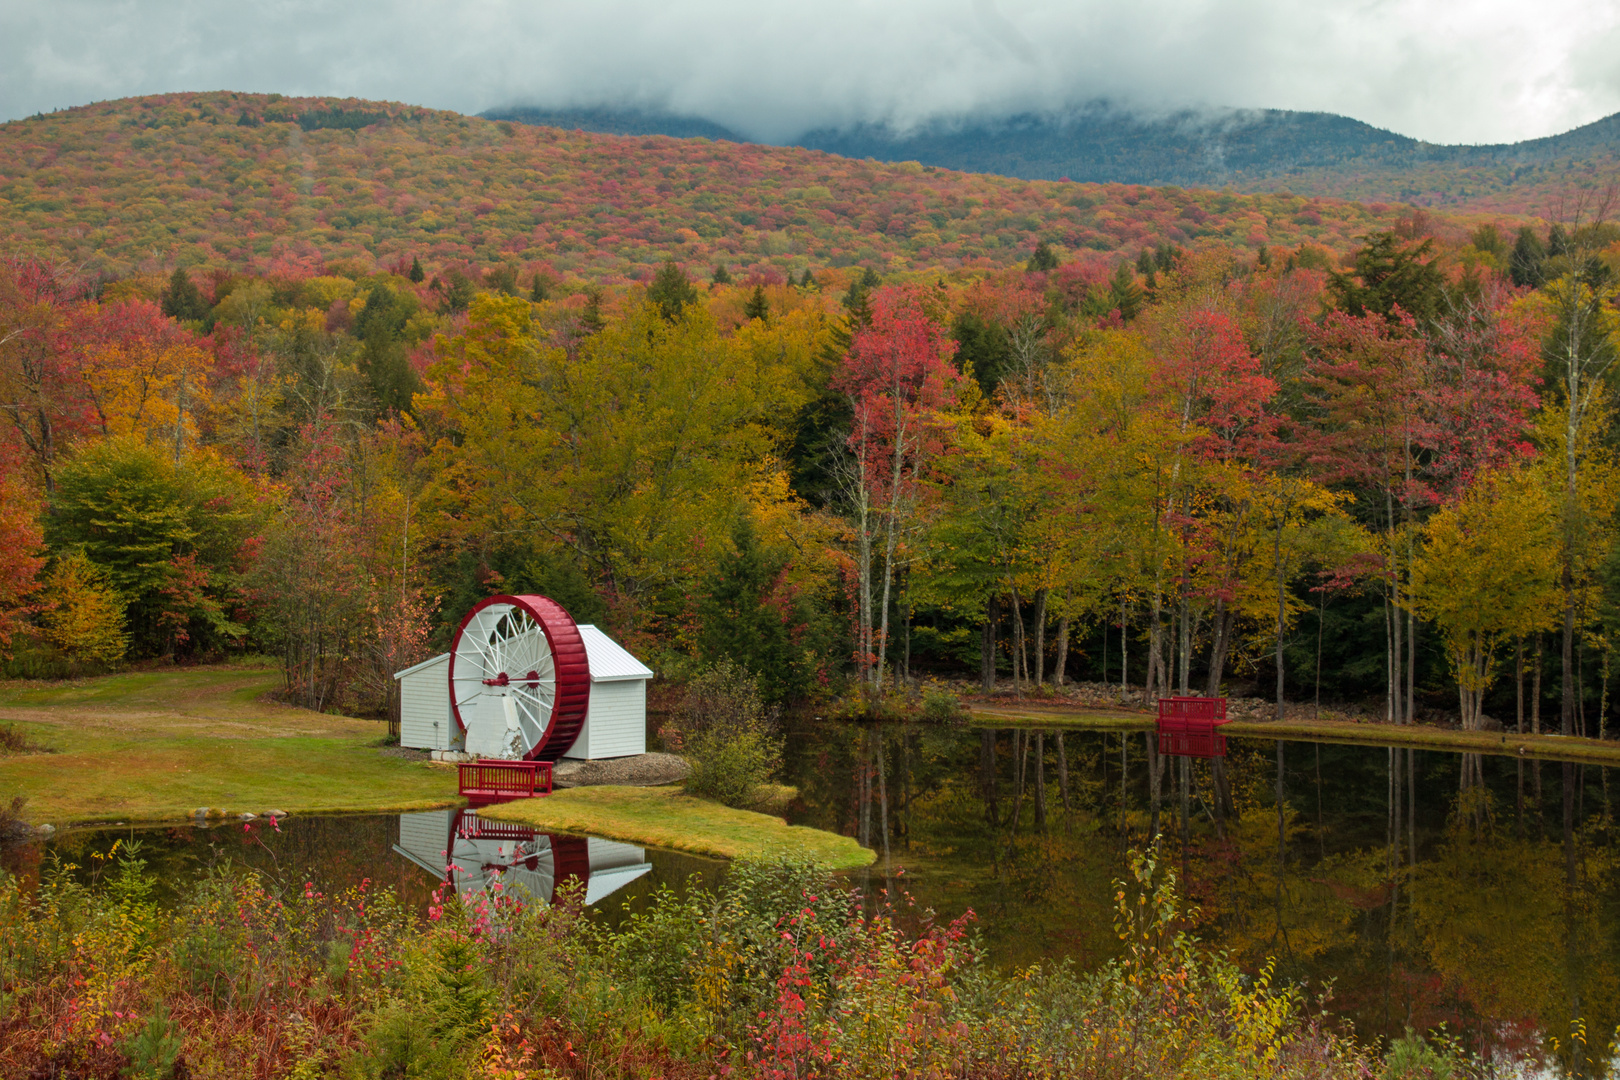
{"points": [[441, 658], [609, 660]]}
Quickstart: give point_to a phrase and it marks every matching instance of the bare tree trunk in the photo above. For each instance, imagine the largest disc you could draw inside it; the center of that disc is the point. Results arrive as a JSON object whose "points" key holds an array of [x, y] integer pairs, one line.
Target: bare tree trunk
{"points": [[1282, 613], [1124, 647], [1060, 675], [1518, 692], [1039, 615], [1535, 696], [1020, 672], [987, 647], [1184, 645]]}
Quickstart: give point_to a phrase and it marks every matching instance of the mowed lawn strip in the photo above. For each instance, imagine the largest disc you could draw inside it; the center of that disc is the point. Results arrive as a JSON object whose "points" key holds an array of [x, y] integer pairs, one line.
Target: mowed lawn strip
{"points": [[156, 746], [1546, 747], [666, 817]]}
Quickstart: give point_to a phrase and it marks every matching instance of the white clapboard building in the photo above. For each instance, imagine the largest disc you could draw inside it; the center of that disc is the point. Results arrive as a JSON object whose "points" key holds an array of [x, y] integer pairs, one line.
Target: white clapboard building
{"points": [[615, 720]]}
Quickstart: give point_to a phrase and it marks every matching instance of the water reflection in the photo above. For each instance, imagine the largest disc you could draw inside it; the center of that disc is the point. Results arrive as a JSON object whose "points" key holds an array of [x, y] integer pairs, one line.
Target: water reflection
{"points": [[1423, 887], [474, 852]]}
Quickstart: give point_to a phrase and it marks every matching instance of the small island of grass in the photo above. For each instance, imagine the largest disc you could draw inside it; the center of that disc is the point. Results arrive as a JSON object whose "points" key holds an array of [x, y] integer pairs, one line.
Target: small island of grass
{"points": [[666, 817]]}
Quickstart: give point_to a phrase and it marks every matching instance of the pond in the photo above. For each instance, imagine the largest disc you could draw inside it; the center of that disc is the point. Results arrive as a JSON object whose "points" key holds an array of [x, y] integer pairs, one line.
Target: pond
{"points": [[1418, 887]]}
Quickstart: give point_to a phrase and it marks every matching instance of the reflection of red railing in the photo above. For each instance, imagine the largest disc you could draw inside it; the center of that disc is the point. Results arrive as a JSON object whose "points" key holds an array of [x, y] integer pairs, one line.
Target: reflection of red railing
{"points": [[468, 824], [1187, 726], [487, 781]]}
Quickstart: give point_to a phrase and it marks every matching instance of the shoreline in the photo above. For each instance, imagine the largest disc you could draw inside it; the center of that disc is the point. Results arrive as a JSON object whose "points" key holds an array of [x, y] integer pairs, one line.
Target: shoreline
{"points": [[1543, 747]]}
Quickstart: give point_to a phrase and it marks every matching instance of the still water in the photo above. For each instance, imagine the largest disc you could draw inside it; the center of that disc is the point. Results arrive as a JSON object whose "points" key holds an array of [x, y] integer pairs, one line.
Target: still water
{"points": [[1415, 888]]}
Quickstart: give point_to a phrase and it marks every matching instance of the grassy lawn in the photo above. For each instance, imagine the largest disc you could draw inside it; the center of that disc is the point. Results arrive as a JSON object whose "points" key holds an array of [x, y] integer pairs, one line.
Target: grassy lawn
{"points": [[1546, 747], [667, 818], [158, 745]]}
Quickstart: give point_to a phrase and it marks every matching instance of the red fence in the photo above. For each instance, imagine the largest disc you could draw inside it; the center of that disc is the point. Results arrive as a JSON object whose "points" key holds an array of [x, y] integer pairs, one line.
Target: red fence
{"points": [[487, 781], [1187, 726]]}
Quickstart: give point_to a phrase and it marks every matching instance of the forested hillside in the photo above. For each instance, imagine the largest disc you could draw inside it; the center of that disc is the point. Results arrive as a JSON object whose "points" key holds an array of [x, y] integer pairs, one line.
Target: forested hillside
{"points": [[310, 377], [243, 181], [1250, 150]]}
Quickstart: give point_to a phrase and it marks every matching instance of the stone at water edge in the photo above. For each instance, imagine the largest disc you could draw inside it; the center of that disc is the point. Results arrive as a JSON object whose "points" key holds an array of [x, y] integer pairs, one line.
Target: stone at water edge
{"points": [[45, 830], [246, 816], [275, 813]]}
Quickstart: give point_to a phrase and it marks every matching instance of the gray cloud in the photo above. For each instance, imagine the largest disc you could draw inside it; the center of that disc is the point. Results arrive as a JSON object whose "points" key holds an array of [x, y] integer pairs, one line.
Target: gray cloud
{"points": [[1485, 71]]}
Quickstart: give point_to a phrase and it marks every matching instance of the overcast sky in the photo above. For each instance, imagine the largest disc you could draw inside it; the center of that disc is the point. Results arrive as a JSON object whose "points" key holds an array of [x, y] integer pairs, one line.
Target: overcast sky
{"points": [[1443, 70]]}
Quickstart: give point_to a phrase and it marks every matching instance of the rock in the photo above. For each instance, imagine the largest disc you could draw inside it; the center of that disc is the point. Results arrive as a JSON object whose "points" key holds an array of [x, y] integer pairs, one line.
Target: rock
{"points": [[1487, 723], [246, 816], [46, 830], [638, 770], [201, 811], [275, 813]]}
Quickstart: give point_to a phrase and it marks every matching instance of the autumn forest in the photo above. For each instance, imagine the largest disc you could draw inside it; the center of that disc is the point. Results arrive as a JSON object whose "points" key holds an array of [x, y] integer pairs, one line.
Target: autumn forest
{"points": [[306, 377]]}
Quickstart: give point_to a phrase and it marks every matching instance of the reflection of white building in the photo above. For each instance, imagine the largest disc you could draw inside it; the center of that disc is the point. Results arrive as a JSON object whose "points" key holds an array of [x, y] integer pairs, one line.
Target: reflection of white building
{"points": [[472, 852]]}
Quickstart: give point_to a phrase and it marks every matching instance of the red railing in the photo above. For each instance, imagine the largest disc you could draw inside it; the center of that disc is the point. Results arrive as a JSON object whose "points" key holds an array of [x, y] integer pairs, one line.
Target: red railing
{"points": [[1187, 726], [487, 781]]}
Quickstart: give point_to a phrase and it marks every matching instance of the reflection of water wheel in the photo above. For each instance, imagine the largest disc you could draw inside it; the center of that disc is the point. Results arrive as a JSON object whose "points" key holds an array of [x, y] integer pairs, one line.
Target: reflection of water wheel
{"points": [[482, 852], [519, 679]]}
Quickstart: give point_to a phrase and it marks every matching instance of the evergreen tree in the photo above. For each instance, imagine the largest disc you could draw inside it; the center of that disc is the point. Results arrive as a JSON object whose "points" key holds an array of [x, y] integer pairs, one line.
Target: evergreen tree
{"points": [[502, 279], [1525, 263], [757, 307], [1387, 276], [416, 271], [538, 292], [671, 291], [721, 275], [1262, 257], [458, 293], [1488, 239], [591, 320], [748, 615], [982, 349], [1144, 262], [380, 328], [1043, 260], [822, 424], [182, 299], [809, 280], [1165, 257], [1125, 293], [1557, 242]]}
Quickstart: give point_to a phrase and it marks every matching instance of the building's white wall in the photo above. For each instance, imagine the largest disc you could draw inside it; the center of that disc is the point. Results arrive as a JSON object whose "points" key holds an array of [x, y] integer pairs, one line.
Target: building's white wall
{"points": [[616, 722], [425, 722]]}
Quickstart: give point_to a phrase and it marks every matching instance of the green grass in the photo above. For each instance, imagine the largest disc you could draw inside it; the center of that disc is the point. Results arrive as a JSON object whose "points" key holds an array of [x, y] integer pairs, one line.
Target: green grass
{"points": [[1544, 747], [668, 818], [158, 745]]}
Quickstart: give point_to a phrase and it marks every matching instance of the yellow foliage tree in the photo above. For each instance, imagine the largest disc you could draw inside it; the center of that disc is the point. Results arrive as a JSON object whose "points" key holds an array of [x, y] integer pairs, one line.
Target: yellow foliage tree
{"points": [[84, 615], [1488, 573]]}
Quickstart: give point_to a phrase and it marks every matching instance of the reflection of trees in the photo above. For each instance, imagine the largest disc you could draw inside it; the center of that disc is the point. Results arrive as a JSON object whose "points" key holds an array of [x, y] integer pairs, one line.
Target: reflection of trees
{"points": [[1388, 872]]}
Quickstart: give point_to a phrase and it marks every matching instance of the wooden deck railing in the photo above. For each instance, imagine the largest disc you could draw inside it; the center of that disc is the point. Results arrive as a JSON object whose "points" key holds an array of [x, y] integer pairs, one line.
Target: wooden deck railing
{"points": [[487, 780]]}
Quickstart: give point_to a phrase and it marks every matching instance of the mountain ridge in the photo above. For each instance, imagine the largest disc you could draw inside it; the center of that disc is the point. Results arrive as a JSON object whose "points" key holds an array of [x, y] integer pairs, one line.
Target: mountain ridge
{"points": [[1311, 153]]}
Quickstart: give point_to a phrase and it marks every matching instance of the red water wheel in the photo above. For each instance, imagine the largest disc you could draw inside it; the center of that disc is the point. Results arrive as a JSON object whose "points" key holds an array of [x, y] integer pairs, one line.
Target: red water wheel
{"points": [[519, 679]]}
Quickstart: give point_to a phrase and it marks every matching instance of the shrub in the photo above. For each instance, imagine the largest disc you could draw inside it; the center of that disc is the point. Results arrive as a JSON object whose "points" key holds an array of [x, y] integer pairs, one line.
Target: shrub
{"points": [[728, 735], [1416, 1058], [940, 706]]}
